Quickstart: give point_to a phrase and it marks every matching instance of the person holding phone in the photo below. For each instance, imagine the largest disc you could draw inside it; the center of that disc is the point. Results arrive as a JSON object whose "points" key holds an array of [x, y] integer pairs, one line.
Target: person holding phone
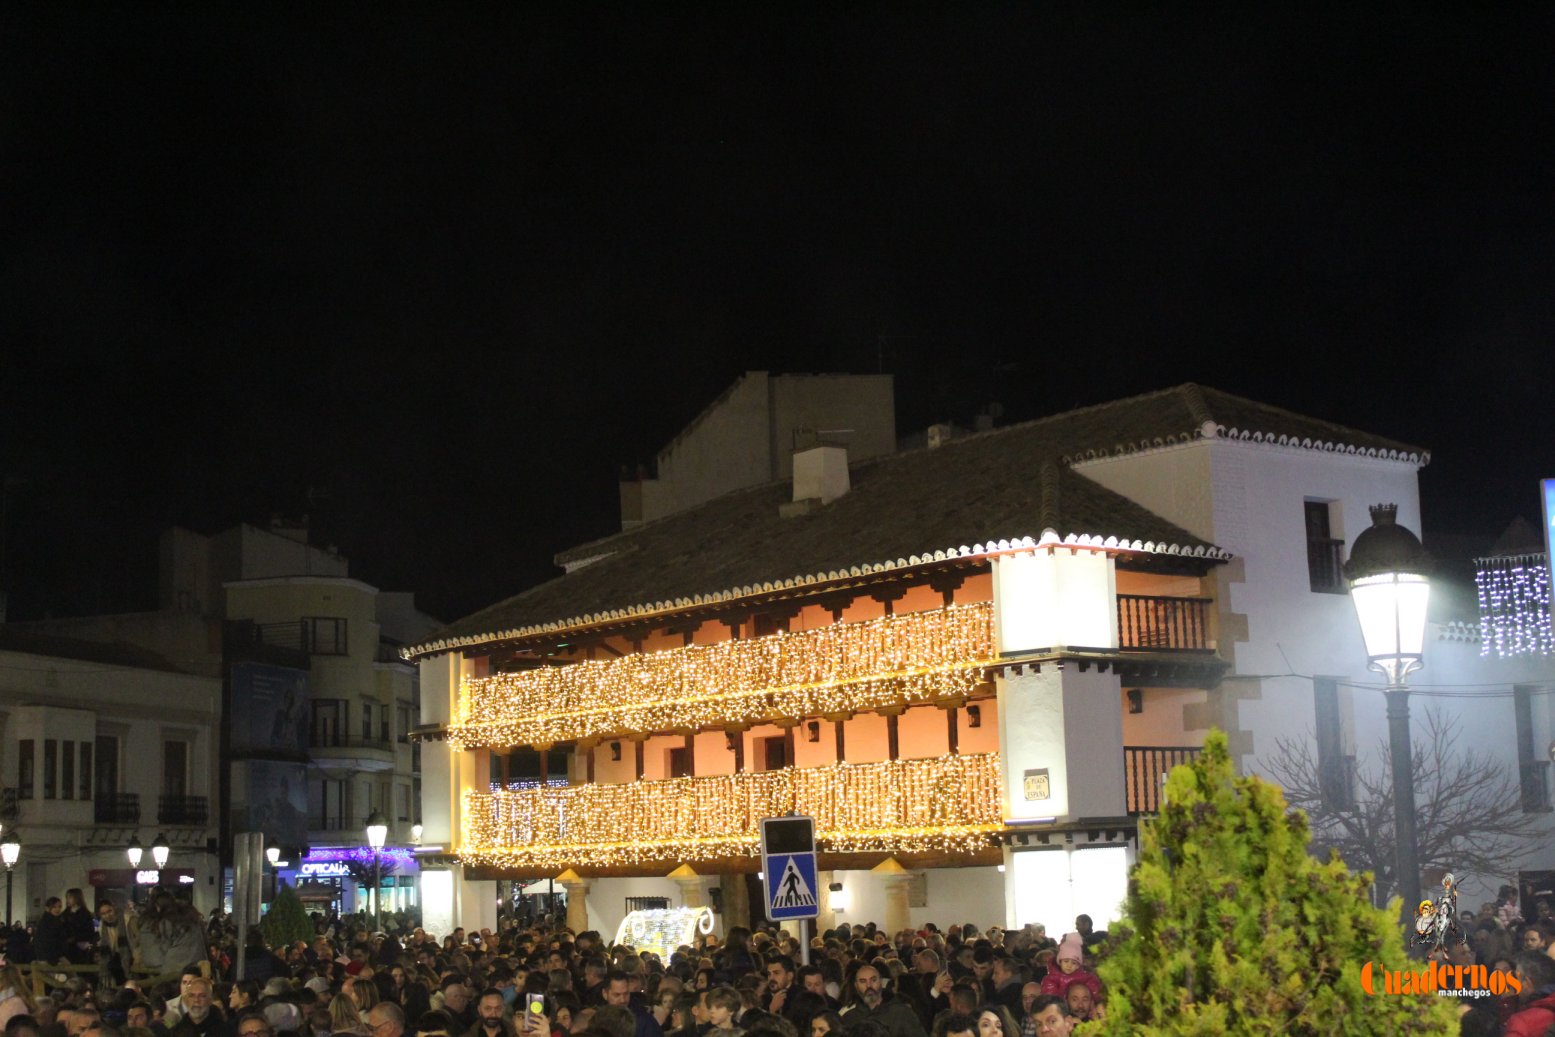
{"points": [[491, 1016], [535, 1022]]}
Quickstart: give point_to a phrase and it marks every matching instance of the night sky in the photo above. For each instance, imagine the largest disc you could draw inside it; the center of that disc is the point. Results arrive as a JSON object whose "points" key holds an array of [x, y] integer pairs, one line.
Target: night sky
{"points": [[432, 273]]}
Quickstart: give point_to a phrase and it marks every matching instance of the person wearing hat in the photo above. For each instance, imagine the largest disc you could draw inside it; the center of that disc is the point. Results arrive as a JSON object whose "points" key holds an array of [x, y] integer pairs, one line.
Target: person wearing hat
{"points": [[1071, 953]]}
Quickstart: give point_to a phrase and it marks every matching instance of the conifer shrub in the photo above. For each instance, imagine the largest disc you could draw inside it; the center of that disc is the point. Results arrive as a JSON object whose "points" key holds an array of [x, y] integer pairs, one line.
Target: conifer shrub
{"points": [[1232, 928], [287, 920]]}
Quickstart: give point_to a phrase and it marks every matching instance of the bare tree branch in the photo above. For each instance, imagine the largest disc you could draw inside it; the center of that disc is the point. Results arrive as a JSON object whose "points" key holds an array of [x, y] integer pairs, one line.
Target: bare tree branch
{"points": [[1469, 814]]}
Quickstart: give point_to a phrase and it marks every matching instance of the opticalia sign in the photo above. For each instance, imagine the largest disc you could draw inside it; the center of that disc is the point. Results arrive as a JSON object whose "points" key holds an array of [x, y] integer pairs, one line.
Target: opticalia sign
{"points": [[324, 869]]}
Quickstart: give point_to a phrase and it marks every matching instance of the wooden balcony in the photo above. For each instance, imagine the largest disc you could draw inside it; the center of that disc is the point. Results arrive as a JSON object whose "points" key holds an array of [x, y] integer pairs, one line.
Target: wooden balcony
{"points": [[1145, 768], [935, 805], [1163, 623]]}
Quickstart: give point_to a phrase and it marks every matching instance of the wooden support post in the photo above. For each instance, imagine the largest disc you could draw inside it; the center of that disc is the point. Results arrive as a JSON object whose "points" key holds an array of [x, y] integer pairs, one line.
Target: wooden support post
{"points": [[639, 744], [892, 741], [841, 741], [737, 743], [953, 728]]}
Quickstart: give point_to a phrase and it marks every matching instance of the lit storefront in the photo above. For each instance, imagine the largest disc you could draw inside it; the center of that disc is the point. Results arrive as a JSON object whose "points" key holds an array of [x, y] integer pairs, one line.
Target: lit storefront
{"points": [[339, 879]]}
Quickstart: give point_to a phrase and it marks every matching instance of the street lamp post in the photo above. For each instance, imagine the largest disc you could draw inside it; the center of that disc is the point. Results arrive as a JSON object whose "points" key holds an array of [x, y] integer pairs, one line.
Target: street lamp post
{"points": [[1389, 580], [134, 851], [10, 852], [377, 832], [273, 855], [159, 852]]}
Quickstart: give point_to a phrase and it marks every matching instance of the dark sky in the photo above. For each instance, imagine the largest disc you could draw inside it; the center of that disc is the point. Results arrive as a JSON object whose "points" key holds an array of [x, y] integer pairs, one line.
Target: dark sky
{"points": [[449, 267]]}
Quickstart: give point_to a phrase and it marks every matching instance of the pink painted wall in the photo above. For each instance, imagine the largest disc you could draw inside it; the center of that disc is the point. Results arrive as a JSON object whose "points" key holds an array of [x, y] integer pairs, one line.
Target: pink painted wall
{"points": [[922, 732]]}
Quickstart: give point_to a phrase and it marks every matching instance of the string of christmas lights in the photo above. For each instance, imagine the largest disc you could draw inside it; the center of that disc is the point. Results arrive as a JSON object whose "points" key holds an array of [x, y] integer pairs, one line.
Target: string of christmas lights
{"points": [[944, 803], [908, 659], [1514, 606]]}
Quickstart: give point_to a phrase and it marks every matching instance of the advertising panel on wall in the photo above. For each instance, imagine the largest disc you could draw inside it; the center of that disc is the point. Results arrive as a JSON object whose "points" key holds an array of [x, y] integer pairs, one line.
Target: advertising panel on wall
{"points": [[271, 796], [269, 709]]}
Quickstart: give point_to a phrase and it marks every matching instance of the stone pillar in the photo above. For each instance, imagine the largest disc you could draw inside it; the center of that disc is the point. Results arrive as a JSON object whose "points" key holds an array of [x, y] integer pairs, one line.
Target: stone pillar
{"points": [[577, 900], [737, 901], [690, 884], [825, 918], [896, 879]]}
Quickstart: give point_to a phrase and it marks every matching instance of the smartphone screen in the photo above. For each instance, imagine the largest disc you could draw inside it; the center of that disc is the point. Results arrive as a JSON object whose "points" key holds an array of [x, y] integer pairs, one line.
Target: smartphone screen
{"points": [[536, 1010]]}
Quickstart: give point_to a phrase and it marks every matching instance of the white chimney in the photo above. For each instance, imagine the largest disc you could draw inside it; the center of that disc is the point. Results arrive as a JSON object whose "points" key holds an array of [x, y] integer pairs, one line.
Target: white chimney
{"points": [[820, 473]]}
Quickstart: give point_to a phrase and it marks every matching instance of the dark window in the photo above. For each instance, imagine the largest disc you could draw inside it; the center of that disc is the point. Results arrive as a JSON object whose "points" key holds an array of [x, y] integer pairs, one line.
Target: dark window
{"points": [[1532, 770], [329, 723], [1324, 552], [175, 768], [1335, 770], [680, 763], [50, 763], [107, 767], [333, 799], [367, 721], [86, 770], [25, 750], [774, 753], [405, 723], [326, 635], [67, 770], [384, 734]]}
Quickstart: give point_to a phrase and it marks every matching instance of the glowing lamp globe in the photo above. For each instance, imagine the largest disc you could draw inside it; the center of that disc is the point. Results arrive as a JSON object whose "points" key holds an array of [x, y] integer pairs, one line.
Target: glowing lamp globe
{"points": [[377, 830], [1388, 571]]}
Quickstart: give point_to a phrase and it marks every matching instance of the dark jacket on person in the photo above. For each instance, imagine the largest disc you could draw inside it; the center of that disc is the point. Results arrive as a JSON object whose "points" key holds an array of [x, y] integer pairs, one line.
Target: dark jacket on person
{"points": [[80, 935], [211, 1026], [51, 941], [894, 1013]]}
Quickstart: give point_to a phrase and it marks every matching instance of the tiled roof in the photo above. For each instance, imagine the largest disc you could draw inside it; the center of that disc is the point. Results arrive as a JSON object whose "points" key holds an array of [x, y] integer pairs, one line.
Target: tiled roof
{"points": [[1190, 411], [116, 654], [967, 497]]}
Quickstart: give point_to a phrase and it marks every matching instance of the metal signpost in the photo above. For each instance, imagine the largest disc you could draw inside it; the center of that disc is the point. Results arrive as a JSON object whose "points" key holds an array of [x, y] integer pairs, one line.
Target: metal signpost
{"points": [[788, 865]]}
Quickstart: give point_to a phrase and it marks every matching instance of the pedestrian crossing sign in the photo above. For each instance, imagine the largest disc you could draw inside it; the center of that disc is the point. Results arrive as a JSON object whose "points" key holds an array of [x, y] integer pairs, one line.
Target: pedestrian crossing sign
{"points": [[788, 866]]}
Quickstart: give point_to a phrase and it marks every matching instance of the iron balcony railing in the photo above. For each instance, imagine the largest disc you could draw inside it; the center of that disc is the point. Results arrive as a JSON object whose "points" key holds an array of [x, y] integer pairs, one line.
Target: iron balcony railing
{"points": [[1144, 772], [183, 810], [1146, 621], [315, 635], [118, 808]]}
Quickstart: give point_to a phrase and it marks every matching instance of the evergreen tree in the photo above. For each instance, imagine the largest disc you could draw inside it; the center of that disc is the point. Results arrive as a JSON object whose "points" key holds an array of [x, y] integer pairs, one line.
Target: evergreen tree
{"points": [[1232, 928], [287, 920]]}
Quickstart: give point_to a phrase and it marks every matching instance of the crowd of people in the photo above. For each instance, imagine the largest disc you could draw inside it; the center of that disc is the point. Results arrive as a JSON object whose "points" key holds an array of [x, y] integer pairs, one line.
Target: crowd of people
{"points": [[1498, 937], [531, 979]]}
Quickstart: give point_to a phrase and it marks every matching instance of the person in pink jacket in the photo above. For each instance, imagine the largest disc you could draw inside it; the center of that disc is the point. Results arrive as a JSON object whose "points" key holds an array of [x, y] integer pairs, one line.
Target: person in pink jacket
{"points": [[1069, 972]]}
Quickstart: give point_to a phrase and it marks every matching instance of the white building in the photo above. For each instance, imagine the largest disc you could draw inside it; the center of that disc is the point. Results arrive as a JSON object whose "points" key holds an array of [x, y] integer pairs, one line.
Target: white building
{"points": [[316, 702], [1146, 569], [99, 745]]}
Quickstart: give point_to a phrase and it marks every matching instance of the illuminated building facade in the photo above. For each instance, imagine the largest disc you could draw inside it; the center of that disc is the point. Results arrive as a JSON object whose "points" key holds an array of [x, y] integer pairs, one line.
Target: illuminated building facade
{"points": [[970, 661]]}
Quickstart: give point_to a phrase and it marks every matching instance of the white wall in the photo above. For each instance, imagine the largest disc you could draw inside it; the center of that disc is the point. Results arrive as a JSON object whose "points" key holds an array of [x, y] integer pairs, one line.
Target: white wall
{"points": [[955, 895], [84, 700], [607, 900], [1248, 498]]}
